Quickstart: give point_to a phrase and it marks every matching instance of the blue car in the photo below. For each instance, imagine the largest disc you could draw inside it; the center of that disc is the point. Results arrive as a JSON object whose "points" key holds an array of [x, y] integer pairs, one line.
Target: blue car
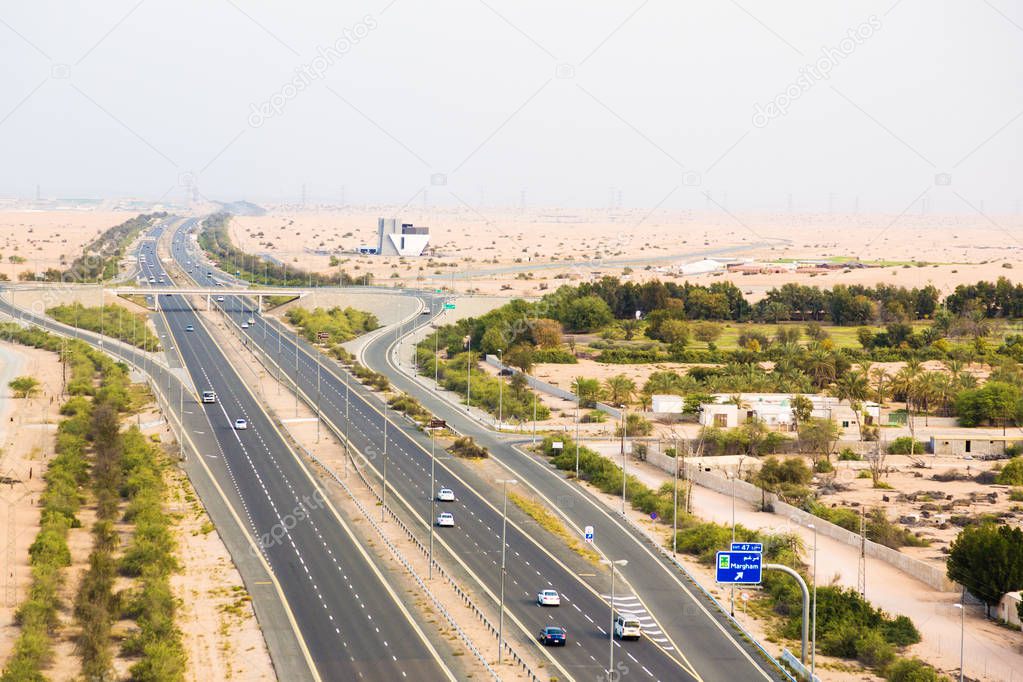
{"points": [[553, 636]]}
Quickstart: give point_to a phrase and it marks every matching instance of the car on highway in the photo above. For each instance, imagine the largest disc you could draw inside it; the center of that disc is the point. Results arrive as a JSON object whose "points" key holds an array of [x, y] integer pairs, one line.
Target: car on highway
{"points": [[209, 397], [548, 598], [552, 635], [445, 495], [245, 325], [161, 280], [189, 328], [445, 519], [152, 280], [251, 321], [220, 299], [240, 424], [627, 627]]}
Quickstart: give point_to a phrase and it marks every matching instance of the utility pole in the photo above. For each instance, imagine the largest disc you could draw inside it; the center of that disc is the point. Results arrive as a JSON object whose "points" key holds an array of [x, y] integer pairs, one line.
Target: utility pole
{"points": [[674, 506], [500, 389], [433, 495], [504, 528], [383, 489], [625, 427], [611, 629]]}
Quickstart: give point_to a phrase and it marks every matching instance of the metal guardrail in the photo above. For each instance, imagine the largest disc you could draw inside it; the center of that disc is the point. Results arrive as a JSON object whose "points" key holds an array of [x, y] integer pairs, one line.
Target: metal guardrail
{"points": [[268, 364]]}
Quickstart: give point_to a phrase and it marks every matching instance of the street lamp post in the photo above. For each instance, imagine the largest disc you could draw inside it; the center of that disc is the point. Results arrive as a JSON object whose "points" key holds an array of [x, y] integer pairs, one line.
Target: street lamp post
{"points": [[611, 631], [433, 495], [674, 506], [733, 542], [500, 388], [436, 356], [383, 488], [504, 528], [348, 423], [578, 402], [813, 610], [962, 636], [625, 434]]}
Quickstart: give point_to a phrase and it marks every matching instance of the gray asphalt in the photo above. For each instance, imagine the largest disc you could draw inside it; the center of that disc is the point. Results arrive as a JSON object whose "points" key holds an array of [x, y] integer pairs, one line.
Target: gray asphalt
{"points": [[476, 539], [691, 620], [352, 625]]}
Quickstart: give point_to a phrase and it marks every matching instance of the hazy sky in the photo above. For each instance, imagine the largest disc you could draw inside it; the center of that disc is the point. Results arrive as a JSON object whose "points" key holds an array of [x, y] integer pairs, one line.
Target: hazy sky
{"points": [[735, 104]]}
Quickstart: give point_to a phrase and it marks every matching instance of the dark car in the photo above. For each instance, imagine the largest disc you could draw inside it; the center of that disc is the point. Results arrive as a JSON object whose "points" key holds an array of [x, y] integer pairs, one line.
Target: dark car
{"points": [[505, 372], [553, 636]]}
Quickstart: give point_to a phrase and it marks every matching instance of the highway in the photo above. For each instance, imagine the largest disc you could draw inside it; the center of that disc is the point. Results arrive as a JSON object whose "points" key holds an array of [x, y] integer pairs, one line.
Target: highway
{"points": [[354, 625], [536, 560]]}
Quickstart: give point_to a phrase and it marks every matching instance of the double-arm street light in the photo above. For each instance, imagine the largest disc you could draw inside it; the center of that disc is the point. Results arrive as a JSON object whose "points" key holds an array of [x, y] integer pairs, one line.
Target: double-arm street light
{"points": [[504, 527], [611, 631]]}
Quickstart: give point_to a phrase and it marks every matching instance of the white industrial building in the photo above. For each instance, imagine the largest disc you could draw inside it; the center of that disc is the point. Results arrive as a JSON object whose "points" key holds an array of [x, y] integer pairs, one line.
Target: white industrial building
{"points": [[398, 239], [701, 267], [775, 410]]}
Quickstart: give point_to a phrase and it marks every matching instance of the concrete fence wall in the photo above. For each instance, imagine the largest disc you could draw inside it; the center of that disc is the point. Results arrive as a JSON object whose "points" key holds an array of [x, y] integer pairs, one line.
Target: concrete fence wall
{"points": [[931, 575]]}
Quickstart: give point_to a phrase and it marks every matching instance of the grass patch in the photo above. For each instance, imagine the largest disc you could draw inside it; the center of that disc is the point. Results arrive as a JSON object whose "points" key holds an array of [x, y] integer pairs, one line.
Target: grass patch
{"points": [[551, 523]]}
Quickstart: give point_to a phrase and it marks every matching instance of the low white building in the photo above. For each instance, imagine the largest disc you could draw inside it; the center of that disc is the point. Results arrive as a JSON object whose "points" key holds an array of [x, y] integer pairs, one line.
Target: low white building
{"points": [[775, 410], [667, 404], [701, 267]]}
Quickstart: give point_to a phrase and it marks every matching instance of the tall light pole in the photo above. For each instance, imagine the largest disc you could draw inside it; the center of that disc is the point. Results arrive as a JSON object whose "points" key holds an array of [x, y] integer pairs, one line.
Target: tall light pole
{"points": [[383, 489], [504, 528], [813, 614], [433, 496], [611, 630], [468, 378], [436, 357], [317, 402], [674, 506], [500, 388], [348, 423], [578, 403], [733, 542], [962, 636], [625, 434], [534, 419]]}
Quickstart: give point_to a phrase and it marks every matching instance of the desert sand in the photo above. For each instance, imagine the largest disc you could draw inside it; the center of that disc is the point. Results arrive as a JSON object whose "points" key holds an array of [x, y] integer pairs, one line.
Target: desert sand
{"points": [[49, 239], [528, 252]]}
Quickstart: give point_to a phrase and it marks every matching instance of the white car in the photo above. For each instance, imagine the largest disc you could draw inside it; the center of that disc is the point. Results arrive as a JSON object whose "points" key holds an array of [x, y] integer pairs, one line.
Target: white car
{"points": [[446, 519], [627, 627], [445, 495], [152, 280], [245, 325], [251, 321], [240, 424], [548, 598], [220, 299], [209, 397]]}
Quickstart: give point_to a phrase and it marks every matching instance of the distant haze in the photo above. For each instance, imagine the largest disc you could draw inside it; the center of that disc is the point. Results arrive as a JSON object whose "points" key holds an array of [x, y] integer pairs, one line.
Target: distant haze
{"points": [[901, 105]]}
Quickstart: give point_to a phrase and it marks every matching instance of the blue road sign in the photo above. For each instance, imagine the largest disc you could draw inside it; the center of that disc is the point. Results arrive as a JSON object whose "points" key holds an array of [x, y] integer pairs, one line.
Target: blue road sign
{"points": [[747, 547], [739, 568]]}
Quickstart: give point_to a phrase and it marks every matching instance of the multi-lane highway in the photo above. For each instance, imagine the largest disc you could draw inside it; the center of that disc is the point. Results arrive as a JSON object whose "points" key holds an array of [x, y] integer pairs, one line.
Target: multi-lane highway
{"points": [[352, 621], [536, 560]]}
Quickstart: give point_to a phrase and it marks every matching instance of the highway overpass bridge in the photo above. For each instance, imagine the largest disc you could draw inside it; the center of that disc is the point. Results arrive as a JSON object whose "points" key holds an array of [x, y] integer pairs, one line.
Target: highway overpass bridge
{"points": [[207, 292]]}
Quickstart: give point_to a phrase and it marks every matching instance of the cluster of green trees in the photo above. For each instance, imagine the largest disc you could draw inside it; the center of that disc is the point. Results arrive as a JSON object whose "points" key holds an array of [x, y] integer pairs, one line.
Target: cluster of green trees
{"points": [[110, 320], [987, 559], [100, 257], [607, 477], [340, 324], [514, 401], [92, 451], [215, 240], [370, 377]]}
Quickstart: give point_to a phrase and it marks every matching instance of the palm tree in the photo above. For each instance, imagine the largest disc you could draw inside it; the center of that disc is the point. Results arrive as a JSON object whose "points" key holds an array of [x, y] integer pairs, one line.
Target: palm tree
{"points": [[904, 384], [854, 387], [925, 393], [820, 365], [619, 389], [882, 384]]}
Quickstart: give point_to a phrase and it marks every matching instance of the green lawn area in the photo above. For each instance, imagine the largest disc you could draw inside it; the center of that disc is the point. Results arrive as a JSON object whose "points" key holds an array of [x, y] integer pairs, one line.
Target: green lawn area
{"points": [[843, 337]]}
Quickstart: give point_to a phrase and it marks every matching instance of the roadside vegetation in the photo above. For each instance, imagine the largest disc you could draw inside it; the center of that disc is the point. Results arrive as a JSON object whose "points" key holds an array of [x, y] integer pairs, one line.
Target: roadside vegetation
{"points": [[514, 401], [336, 324], [848, 626], [120, 473], [100, 257], [216, 242], [798, 339], [547, 520], [110, 320]]}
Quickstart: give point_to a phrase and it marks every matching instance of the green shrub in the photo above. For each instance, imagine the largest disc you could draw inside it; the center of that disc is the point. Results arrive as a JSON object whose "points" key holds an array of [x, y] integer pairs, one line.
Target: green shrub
{"points": [[1011, 473], [912, 670], [635, 425], [847, 455], [902, 445], [465, 446], [823, 466], [873, 650]]}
